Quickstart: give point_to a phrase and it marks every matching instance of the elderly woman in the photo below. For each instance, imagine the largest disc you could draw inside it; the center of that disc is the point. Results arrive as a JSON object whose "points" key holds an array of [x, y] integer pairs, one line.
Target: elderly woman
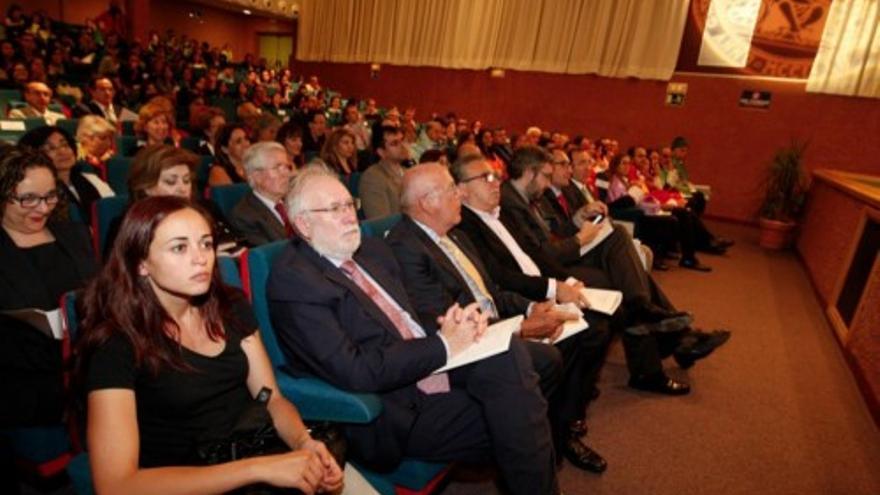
{"points": [[80, 182], [41, 258], [230, 146], [96, 139]]}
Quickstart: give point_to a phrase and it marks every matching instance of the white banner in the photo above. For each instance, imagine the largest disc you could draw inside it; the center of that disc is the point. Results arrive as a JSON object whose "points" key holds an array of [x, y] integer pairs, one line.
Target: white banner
{"points": [[727, 35]]}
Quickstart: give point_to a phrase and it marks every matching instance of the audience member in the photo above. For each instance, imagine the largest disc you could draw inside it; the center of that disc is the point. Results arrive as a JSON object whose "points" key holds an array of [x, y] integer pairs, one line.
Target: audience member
{"points": [[655, 324], [441, 266], [380, 184], [229, 149], [153, 125], [342, 314], [81, 186], [290, 136], [171, 360], [42, 258], [260, 216], [315, 133], [340, 153], [38, 96], [102, 92]]}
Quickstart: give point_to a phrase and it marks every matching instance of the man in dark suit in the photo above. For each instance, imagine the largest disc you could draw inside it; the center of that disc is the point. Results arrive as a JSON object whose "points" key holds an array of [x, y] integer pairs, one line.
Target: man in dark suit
{"points": [[260, 216], [102, 92], [342, 314], [655, 328], [441, 266]]}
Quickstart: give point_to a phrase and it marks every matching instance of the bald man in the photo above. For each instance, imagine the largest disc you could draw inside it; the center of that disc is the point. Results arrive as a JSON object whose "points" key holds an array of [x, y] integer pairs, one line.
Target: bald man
{"points": [[37, 95], [342, 315], [441, 266]]}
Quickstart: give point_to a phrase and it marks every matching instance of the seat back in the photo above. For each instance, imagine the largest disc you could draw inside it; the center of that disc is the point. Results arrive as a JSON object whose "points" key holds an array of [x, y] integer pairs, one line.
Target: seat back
{"points": [[202, 172], [106, 210], [68, 125], [255, 265], [379, 227], [117, 173], [229, 271], [125, 145], [227, 196]]}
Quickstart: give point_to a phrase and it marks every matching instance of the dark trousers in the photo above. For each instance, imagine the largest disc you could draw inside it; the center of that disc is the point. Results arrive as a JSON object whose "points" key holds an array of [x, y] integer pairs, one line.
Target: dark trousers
{"points": [[495, 411], [583, 356]]}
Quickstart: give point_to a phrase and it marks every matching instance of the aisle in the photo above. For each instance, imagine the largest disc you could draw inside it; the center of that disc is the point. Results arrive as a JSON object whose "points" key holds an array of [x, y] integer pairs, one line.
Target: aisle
{"points": [[774, 411]]}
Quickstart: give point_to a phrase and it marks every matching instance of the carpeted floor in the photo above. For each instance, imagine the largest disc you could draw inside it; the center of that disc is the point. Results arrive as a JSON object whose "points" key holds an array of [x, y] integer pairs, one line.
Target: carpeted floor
{"points": [[775, 411]]}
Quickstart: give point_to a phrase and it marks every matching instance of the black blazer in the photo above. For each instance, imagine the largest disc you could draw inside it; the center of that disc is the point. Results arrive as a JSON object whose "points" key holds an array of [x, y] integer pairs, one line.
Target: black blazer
{"points": [[329, 328], [432, 281], [499, 260], [253, 220]]}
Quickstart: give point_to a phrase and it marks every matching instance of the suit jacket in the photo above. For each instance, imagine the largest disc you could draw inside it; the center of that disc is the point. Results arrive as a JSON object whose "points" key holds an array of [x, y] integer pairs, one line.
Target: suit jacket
{"points": [[555, 216], [96, 109], [499, 260], [432, 281], [534, 236], [379, 190], [328, 327], [30, 112], [557, 257], [253, 220], [576, 198]]}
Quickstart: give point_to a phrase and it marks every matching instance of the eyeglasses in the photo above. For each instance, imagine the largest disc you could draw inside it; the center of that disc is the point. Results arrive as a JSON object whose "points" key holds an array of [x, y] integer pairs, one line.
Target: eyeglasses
{"points": [[488, 177], [337, 209], [31, 200]]}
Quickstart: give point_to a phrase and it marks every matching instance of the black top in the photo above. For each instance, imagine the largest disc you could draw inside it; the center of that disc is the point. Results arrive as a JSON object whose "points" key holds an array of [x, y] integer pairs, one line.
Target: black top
{"points": [[177, 409], [48, 258]]}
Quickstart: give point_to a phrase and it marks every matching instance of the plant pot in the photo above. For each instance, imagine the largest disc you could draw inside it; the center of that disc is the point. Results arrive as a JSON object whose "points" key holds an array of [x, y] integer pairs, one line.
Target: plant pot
{"points": [[776, 234]]}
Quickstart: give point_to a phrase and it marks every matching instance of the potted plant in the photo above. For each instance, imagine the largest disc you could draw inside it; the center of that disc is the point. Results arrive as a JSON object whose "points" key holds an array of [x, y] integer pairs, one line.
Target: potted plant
{"points": [[785, 190]]}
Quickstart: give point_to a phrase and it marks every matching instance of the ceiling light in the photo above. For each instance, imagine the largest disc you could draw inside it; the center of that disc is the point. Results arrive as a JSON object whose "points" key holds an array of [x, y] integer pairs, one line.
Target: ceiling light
{"points": [[246, 12]]}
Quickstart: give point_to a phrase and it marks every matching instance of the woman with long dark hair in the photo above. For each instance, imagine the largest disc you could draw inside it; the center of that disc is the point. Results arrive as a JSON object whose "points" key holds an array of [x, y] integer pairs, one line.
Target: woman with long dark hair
{"points": [[171, 360]]}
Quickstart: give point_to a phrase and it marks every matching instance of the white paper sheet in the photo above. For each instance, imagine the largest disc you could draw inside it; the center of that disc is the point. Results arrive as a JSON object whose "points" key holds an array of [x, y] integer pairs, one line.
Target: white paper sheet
{"points": [[495, 341]]}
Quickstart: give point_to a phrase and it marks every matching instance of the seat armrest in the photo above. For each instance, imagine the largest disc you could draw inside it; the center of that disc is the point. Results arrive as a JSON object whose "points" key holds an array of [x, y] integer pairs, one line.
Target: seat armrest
{"points": [[317, 400]]}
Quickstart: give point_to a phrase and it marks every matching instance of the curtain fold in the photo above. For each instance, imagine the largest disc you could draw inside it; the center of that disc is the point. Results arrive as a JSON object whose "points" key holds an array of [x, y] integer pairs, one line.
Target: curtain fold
{"points": [[848, 61], [617, 38]]}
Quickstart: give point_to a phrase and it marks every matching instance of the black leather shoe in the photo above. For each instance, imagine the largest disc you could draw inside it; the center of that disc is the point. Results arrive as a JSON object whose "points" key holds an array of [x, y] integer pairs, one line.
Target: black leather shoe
{"points": [[578, 428], [659, 383], [583, 457], [659, 265], [694, 264], [698, 345], [651, 313], [723, 242], [672, 255], [714, 249]]}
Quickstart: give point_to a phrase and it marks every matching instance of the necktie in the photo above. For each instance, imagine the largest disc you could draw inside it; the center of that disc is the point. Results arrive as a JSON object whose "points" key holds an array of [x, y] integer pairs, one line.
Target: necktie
{"points": [[564, 204], [473, 278], [431, 384], [282, 211]]}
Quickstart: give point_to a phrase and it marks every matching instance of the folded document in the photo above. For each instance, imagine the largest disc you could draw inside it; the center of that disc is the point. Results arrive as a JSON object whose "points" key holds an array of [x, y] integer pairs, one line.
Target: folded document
{"points": [[495, 341]]}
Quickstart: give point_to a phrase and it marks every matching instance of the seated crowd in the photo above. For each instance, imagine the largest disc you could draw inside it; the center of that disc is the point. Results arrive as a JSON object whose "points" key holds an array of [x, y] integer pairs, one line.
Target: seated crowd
{"points": [[486, 227]]}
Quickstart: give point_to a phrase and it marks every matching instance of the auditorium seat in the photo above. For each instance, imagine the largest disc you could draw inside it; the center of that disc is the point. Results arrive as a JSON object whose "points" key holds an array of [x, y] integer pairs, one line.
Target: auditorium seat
{"points": [[318, 400]]}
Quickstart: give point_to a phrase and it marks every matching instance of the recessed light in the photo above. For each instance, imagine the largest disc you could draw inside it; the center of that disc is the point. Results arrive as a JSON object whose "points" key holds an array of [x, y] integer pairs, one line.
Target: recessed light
{"points": [[246, 12]]}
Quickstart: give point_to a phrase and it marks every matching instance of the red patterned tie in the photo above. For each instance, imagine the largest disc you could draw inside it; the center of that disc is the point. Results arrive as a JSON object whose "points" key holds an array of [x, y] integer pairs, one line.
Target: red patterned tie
{"points": [[564, 204], [431, 384], [282, 211]]}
